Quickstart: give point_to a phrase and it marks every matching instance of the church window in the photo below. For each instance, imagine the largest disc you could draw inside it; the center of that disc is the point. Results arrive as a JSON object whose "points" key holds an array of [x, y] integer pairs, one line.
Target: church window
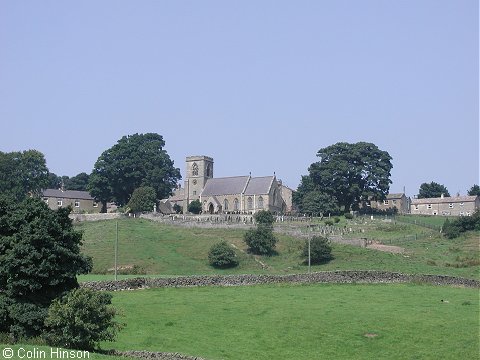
{"points": [[260, 202], [250, 203], [225, 205], [274, 196], [208, 171], [194, 169], [235, 205]]}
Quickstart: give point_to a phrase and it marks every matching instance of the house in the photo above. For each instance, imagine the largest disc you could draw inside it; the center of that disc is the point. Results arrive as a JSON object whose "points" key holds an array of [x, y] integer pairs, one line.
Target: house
{"points": [[446, 206], [397, 201], [236, 194], [80, 201]]}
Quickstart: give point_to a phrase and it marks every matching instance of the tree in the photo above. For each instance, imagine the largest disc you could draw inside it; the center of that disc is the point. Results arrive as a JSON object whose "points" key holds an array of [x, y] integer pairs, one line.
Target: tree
{"points": [[349, 174], [316, 202], [221, 255], [39, 261], [320, 250], [81, 319], [23, 173], [143, 199], [261, 240], [134, 161], [474, 190], [195, 207], [432, 190], [78, 182]]}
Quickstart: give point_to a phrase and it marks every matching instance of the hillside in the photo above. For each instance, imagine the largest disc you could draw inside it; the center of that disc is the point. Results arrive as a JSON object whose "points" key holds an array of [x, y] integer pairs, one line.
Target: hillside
{"points": [[151, 248]]}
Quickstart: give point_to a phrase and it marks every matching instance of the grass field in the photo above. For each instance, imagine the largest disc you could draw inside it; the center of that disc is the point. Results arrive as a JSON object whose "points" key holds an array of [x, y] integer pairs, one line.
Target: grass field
{"points": [[29, 351], [152, 248], [402, 321]]}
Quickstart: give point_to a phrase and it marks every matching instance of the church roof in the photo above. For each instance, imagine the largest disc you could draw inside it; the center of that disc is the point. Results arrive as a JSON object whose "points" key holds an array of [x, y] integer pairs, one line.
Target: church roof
{"points": [[259, 185], [225, 186]]}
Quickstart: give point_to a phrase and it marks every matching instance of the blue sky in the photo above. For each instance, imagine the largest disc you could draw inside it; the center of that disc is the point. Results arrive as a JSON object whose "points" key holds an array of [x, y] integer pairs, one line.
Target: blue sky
{"points": [[259, 85]]}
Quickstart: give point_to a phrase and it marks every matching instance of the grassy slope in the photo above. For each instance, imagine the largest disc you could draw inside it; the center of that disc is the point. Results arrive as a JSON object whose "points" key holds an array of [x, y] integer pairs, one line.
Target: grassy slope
{"points": [[303, 322], [29, 351], [165, 250]]}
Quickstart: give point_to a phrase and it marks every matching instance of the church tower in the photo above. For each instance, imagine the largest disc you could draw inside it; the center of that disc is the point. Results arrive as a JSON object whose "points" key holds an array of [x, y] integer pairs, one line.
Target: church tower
{"points": [[198, 170]]}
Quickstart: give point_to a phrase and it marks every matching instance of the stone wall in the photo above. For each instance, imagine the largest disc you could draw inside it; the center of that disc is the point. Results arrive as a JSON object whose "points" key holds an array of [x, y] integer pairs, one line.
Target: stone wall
{"points": [[94, 217], [336, 277]]}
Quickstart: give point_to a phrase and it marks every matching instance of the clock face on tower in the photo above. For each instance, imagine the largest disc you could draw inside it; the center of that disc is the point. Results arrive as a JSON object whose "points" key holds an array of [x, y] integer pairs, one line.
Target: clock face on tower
{"points": [[194, 181]]}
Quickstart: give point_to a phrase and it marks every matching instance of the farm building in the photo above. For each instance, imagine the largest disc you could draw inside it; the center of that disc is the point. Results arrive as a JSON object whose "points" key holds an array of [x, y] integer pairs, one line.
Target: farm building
{"points": [[446, 206]]}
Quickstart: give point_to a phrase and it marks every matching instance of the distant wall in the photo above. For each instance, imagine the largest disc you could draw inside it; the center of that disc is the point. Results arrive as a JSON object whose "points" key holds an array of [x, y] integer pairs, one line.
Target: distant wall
{"points": [[94, 217], [340, 277]]}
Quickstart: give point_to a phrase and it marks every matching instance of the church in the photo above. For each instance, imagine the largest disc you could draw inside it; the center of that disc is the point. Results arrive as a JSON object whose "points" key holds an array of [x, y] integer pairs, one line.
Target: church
{"points": [[236, 194]]}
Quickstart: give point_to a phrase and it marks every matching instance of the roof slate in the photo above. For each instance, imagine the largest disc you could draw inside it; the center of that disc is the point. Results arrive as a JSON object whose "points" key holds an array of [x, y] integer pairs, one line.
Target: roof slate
{"points": [[225, 186], [444, 200], [67, 194], [259, 185]]}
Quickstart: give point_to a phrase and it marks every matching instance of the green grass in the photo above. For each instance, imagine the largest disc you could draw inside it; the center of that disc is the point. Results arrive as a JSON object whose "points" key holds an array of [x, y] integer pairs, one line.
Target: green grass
{"points": [[29, 351], [157, 249], [401, 321]]}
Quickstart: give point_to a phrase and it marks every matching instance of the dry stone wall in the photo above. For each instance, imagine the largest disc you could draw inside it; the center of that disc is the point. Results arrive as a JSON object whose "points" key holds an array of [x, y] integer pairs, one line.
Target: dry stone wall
{"points": [[336, 277]]}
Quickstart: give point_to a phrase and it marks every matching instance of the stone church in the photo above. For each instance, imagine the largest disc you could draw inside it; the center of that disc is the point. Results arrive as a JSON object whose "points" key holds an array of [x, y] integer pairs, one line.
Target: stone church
{"points": [[236, 194]]}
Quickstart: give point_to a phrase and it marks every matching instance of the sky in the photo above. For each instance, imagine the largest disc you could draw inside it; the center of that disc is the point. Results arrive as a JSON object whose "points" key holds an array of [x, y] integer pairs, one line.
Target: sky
{"points": [[258, 85]]}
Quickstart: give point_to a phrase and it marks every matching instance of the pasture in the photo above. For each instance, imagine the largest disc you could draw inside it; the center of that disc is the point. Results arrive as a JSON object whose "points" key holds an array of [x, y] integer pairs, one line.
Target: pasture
{"points": [[350, 321]]}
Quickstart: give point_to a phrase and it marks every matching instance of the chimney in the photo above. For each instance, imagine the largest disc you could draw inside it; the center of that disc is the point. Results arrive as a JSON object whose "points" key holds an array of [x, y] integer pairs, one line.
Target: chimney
{"points": [[442, 196]]}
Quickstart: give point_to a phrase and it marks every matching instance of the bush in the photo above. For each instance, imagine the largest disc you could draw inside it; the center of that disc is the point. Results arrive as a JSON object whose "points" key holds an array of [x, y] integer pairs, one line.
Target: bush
{"points": [[143, 199], [348, 216], [453, 229], [264, 218], [195, 207], [80, 320], [221, 255], [328, 222], [320, 250], [261, 240], [336, 219]]}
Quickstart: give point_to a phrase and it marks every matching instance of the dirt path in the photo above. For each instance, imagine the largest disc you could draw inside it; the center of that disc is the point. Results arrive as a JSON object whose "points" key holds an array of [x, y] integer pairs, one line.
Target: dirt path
{"points": [[387, 248]]}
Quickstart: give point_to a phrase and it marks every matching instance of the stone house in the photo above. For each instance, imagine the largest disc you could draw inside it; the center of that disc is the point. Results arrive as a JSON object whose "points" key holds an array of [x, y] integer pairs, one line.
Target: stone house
{"points": [[80, 201], [397, 201], [446, 206], [237, 194]]}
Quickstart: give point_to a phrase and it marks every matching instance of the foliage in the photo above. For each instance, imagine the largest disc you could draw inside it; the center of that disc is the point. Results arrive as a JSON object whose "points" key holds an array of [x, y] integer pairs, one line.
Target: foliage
{"points": [[264, 218], [134, 161], [320, 250], [348, 216], [195, 207], [474, 190], [81, 319], [432, 190], [221, 255], [39, 261], [261, 240], [177, 208], [349, 174], [78, 182], [317, 202], [23, 173], [143, 199], [453, 229]]}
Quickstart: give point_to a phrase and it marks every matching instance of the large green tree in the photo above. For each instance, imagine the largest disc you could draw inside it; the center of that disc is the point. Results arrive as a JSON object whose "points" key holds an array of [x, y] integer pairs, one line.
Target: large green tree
{"points": [[474, 190], [134, 161], [78, 182], [349, 174], [23, 173], [143, 199], [432, 190], [39, 261]]}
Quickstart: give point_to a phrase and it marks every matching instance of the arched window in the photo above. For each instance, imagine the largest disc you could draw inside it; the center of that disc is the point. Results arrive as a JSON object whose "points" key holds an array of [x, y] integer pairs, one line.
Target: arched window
{"points": [[235, 205], [194, 169], [225, 205], [249, 203], [260, 202], [274, 197]]}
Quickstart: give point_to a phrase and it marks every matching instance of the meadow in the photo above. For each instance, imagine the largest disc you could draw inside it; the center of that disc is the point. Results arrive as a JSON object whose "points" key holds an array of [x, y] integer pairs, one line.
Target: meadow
{"points": [[350, 321], [156, 249]]}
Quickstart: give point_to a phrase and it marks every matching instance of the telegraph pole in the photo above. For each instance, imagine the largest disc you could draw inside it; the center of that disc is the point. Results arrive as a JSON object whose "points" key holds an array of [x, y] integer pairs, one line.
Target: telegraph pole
{"points": [[116, 248], [309, 254]]}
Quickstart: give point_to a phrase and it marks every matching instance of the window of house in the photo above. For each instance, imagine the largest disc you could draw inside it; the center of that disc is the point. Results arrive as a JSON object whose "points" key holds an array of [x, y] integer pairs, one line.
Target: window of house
{"points": [[450, 206], [385, 202], [260, 202], [429, 206], [249, 203], [235, 205], [95, 204], [416, 207], [225, 205], [59, 203], [45, 200], [461, 204], [77, 203]]}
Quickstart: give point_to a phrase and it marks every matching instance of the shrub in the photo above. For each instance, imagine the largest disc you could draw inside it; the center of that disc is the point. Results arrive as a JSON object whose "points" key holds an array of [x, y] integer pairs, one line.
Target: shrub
{"points": [[336, 219], [328, 222], [320, 250], [264, 218], [80, 320], [195, 207], [348, 216], [143, 199], [261, 240], [221, 255]]}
